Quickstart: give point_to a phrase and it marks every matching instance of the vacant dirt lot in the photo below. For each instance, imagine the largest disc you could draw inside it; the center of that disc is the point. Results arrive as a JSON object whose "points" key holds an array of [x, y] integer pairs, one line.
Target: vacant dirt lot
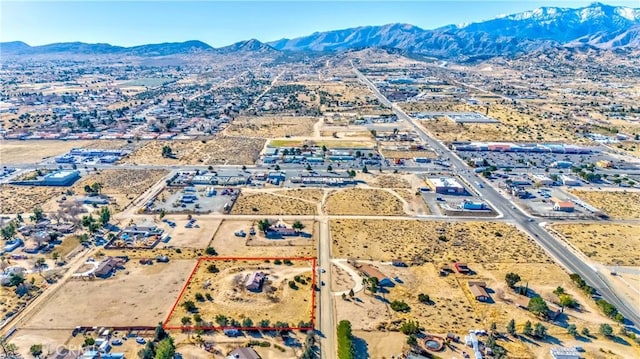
{"points": [[312, 195], [13, 152], [360, 201], [227, 244], [433, 241], [271, 126], [214, 151], [271, 204], [513, 126], [348, 144], [393, 154], [611, 244], [122, 185], [617, 204], [21, 199], [276, 301], [144, 296], [182, 237], [390, 181]]}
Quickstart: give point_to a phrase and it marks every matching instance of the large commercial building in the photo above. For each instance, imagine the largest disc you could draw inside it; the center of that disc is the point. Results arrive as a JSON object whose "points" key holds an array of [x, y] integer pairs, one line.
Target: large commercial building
{"points": [[61, 178], [446, 185]]}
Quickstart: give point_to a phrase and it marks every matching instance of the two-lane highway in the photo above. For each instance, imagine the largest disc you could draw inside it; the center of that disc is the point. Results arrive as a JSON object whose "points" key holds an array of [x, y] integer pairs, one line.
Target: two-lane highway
{"points": [[548, 242]]}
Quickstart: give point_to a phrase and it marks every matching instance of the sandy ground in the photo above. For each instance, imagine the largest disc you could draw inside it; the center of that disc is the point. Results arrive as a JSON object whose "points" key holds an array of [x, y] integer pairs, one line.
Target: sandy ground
{"points": [[257, 202], [616, 204], [415, 204], [122, 185], [329, 143], [411, 239], [21, 199], [14, 152], [271, 126], [513, 126], [312, 195], [182, 237], [142, 297], [227, 244], [214, 151], [364, 202], [390, 181], [611, 244], [232, 299]]}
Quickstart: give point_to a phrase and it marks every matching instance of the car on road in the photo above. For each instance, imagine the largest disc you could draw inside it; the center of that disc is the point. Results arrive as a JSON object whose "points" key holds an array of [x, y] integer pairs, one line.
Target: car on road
{"points": [[116, 342], [322, 270], [140, 340]]}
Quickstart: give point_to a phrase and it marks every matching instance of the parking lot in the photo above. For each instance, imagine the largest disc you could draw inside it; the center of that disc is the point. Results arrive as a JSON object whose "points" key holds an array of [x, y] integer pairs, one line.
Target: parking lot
{"points": [[203, 199]]}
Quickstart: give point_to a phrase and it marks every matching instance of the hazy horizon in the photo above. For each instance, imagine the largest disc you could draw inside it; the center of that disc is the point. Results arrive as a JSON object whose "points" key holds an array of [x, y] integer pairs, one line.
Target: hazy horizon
{"points": [[221, 23]]}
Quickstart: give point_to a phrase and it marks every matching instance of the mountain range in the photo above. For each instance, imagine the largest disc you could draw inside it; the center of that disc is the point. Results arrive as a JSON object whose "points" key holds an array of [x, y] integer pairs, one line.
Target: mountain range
{"points": [[595, 26]]}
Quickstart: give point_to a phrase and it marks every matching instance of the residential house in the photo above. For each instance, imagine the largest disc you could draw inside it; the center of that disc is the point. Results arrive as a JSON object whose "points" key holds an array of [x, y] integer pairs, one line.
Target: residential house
{"points": [[108, 266], [255, 280], [462, 268], [370, 271], [564, 206], [479, 291]]}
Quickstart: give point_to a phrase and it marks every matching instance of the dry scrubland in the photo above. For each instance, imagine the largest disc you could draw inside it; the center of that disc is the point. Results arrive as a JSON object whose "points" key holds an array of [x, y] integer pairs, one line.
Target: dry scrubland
{"points": [[228, 245], [269, 127], [13, 152], [390, 181], [122, 185], [407, 154], [271, 204], [213, 151], [611, 244], [359, 201], [276, 302], [329, 143], [144, 296], [616, 204], [513, 126], [479, 242], [21, 199]]}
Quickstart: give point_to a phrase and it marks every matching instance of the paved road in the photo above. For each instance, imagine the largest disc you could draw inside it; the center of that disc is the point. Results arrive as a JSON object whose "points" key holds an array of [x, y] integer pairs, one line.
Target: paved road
{"points": [[326, 312], [551, 244]]}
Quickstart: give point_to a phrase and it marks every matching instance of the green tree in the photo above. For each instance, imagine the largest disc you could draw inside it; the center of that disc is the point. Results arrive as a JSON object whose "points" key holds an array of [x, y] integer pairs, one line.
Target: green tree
{"points": [[298, 226], [511, 327], [210, 251], [400, 306], [212, 268], [105, 215], [165, 349], [539, 330], [424, 298], [36, 350], [559, 291], [148, 352], [247, 322], [8, 231], [606, 329], [38, 215], [263, 225], [186, 320], [346, 349], [410, 327], [567, 301], [572, 329], [88, 341], [411, 340], [96, 187], [512, 279], [585, 331], [538, 306], [365, 169], [527, 329], [190, 306], [167, 151]]}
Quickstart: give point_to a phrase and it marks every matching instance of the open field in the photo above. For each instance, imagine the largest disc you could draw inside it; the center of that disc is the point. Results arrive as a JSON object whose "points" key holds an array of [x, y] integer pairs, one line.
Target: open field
{"points": [[312, 195], [213, 151], [390, 181], [271, 204], [611, 244], [142, 297], [406, 154], [415, 204], [271, 126], [329, 143], [513, 126], [433, 241], [21, 199], [276, 301], [182, 237], [122, 185], [14, 152], [616, 204], [359, 201], [228, 245]]}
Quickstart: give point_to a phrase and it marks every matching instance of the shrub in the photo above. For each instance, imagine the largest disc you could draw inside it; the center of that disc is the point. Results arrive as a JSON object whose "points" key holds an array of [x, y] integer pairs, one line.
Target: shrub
{"points": [[400, 306], [424, 298]]}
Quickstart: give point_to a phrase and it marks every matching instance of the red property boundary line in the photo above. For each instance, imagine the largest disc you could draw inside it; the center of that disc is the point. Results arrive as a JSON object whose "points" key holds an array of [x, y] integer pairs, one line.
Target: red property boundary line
{"points": [[262, 259]]}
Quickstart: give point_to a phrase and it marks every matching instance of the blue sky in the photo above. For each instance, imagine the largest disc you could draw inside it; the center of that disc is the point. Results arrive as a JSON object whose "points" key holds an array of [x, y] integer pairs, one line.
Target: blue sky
{"points": [[221, 23]]}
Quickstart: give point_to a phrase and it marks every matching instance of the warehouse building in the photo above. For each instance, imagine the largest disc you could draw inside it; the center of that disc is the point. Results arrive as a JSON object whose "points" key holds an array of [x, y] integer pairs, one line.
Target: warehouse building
{"points": [[446, 185]]}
